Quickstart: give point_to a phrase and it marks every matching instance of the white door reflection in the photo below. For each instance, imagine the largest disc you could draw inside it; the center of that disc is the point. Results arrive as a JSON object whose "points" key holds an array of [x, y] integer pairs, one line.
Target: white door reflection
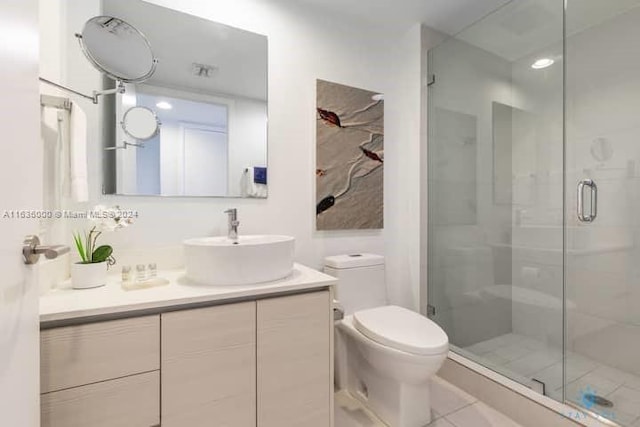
{"points": [[205, 161], [190, 154]]}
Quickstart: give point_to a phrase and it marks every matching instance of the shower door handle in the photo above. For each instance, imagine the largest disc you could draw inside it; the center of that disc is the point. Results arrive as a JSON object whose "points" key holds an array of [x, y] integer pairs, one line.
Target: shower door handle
{"points": [[593, 206]]}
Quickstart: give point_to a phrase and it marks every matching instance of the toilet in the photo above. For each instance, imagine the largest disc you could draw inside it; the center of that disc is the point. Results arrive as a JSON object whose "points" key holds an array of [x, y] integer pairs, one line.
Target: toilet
{"points": [[385, 355]]}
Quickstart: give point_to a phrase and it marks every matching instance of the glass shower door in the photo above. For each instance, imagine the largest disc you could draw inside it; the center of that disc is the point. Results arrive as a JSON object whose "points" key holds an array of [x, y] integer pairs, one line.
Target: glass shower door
{"points": [[495, 151], [602, 256]]}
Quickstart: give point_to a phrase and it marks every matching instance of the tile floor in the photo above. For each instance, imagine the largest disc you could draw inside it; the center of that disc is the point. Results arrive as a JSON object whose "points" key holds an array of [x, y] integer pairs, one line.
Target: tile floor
{"points": [[451, 407], [523, 358]]}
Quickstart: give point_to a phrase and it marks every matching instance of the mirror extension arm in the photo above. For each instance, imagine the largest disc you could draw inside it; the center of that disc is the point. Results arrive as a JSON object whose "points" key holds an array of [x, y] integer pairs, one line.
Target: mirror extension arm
{"points": [[124, 146], [94, 98]]}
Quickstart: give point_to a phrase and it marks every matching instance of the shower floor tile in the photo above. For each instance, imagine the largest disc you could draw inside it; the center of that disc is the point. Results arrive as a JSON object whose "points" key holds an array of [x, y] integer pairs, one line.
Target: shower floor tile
{"points": [[618, 376], [512, 352], [523, 358], [493, 344], [598, 385], [534, 362], [626, 400]]}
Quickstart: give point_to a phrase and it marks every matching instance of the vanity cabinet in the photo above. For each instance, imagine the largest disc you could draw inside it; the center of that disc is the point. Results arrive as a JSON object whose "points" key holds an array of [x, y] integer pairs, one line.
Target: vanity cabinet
{"points": [[264, 363], [209, 366], [259, 363]]}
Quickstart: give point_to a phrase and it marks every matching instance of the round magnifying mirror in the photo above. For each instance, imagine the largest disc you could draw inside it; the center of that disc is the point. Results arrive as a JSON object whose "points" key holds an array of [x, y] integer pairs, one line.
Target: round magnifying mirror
{"points": [[140, 123], [601, 149], [117, 49]]}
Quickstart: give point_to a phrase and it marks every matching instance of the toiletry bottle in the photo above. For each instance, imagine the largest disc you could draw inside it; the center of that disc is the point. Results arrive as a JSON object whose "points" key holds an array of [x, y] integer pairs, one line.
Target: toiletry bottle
{"points": [[126, 274], [141, 273], [152, 270]]}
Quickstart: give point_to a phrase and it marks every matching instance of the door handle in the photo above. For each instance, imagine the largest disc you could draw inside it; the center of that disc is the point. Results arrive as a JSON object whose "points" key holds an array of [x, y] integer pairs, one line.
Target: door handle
{"points": [[32, 249], [593, 205]]}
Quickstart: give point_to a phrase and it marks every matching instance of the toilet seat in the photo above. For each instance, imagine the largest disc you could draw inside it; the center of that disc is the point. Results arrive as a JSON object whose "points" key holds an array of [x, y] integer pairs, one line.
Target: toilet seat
{"points": [[402, 329]]}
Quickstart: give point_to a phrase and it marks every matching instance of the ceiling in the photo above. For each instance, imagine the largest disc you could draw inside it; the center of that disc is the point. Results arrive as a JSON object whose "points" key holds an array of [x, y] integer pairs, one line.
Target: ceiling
{"points": [[512, 28], [448, 16], [524, 27], [519, 28]]}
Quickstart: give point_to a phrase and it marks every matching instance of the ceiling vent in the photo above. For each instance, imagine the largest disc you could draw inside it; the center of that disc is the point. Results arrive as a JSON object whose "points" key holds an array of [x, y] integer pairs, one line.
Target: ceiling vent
{"points": [[203, 70]]}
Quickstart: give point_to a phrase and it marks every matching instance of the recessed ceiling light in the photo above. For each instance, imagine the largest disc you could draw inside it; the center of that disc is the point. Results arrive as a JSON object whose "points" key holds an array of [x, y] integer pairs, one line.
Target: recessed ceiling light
{"points": [[164, 105], [378, 97], [542, 63]]}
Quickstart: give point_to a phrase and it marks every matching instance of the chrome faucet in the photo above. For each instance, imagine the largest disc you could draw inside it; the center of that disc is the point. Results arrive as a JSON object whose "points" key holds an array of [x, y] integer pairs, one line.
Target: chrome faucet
{"points": [[233, 225]]}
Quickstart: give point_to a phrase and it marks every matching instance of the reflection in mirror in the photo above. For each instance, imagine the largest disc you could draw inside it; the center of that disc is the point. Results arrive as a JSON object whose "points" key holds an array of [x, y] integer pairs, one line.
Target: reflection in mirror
{"points": [[140, 123], [211, 99], [117, 49]]}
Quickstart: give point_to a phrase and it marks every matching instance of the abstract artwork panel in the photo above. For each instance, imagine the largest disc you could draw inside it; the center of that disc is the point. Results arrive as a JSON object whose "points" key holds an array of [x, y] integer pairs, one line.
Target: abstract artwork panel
{"points": [[349, 157]]}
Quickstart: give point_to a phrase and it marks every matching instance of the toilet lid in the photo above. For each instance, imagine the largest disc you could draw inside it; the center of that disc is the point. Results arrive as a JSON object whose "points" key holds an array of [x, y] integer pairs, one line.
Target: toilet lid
{"points": [[401, 329]]}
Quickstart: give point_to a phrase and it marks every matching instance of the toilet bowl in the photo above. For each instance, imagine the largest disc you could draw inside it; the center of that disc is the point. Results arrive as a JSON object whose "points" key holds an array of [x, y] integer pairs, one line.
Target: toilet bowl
{"points": [[385, 355]]}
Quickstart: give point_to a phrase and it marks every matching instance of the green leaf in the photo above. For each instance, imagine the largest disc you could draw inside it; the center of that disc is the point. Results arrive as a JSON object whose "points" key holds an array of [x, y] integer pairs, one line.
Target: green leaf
{"points": [[101, 253], [80, 247]]}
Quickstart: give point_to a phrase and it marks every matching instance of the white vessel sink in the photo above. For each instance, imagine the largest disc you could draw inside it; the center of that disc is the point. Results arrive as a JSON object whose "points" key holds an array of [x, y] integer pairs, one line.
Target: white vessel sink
{"points": [[254, 259]]}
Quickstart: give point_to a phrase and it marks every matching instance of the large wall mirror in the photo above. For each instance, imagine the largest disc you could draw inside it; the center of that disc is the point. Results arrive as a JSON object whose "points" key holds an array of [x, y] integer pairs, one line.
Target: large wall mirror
{"points": [[208, 101], [197, 127]]}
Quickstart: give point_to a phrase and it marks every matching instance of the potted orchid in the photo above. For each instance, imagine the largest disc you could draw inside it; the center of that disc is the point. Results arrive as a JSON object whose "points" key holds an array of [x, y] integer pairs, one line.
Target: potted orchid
{"points": [[91, 270]]}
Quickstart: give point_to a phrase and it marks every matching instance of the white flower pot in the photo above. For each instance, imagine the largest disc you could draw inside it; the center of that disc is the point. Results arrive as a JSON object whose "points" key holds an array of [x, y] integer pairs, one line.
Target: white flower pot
{"points": [[85, 276]]}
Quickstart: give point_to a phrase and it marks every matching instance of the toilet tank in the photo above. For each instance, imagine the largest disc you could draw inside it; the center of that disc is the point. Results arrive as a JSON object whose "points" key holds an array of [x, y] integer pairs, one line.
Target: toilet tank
{"points": [[361, 281]]}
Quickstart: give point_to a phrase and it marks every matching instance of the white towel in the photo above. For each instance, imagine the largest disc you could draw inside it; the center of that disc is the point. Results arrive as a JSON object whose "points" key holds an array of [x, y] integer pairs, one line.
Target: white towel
{"points": [[53, 184], [63, 173], [250, 188], [78, 155]]}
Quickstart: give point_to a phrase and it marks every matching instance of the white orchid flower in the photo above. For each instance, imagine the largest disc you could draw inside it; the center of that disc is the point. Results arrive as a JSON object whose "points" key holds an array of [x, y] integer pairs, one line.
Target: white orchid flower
{"points": [[109, 219]]}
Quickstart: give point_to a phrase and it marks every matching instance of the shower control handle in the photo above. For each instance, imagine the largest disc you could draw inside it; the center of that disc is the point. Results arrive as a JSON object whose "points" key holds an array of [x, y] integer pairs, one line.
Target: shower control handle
{"points": [[593, 205]]}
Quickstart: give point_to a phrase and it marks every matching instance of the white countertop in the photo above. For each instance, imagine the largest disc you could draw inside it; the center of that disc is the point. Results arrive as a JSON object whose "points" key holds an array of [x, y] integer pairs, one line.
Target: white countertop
{"points": [[66, 304]]}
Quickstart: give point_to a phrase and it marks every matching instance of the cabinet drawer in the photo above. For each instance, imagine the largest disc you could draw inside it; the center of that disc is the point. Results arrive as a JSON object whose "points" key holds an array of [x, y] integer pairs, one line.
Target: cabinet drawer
{"points": [[126, 402], [73, 356]]}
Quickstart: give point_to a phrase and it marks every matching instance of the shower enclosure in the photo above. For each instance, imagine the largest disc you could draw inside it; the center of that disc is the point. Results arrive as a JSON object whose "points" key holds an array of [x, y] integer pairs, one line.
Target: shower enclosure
{"points": [[534, 166]]}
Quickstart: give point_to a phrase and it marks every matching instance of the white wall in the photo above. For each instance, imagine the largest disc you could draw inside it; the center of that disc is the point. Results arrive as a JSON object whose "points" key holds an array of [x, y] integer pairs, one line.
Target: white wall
{"points": [[402, 169], [304, 45]]}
